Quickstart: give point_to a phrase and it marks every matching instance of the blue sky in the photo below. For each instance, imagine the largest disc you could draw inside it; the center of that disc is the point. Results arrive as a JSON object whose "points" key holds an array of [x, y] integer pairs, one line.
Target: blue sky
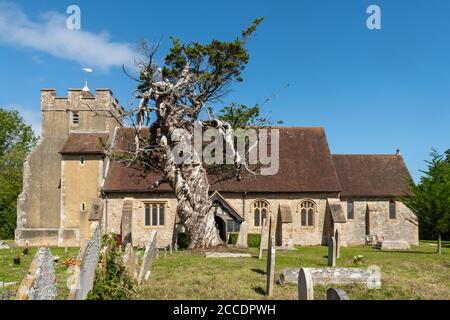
{"points": [[373, 90]]}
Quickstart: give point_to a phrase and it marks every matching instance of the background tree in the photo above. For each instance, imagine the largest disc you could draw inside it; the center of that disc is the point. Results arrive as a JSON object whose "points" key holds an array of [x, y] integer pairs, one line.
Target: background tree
{"points": [[171, 99], [16, 141], [430, 199]]}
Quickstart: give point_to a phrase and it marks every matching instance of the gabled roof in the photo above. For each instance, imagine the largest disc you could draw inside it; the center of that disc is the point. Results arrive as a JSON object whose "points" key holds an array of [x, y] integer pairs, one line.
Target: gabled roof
{"points": [[306, 165], [337, 213], [92, 143], [217, 197], [372, 175]]}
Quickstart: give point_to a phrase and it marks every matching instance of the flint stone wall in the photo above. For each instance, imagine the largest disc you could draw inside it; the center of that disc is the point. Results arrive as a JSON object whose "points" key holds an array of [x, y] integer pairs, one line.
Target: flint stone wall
{"points": [[40, 282]]}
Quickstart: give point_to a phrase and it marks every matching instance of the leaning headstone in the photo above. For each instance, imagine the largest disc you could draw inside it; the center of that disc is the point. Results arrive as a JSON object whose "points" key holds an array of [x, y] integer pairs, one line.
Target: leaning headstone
{"points": [[243, 234], [148, 258], [337, 294], [270, 270], [40, 282], [332, 252], [130, 261], [305, 285], [263, 239], [82, 280], [338, 244]]}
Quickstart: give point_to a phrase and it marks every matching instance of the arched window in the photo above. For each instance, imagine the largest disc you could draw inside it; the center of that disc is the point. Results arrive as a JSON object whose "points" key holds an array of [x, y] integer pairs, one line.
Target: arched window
{"points": [[392, 210], [261, 212], [307, 210]]}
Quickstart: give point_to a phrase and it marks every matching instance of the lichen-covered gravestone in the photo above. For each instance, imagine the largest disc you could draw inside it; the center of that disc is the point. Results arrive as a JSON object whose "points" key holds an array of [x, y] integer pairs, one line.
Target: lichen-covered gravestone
{"points": [[40, 282], [83, 277], [148, 258], [243, 234], [332, 252], [270, 271], [305, 285], [337, 294]]}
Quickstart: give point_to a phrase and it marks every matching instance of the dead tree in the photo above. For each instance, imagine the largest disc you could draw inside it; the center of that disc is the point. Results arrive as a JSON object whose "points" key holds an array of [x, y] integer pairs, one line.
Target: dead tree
{"points": [[170, 99]]}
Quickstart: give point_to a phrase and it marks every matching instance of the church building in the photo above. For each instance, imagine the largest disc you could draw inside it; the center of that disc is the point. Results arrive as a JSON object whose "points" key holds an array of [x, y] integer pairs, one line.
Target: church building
{"points": [[69, 184]]}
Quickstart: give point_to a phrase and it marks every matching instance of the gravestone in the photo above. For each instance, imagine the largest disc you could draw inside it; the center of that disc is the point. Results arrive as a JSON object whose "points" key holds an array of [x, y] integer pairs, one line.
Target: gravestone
{"points": [[337, 294], [270, 270], [305, 285], [243, 234], [147, 260], [130, 261], [227, 255], [263, 239], [40, 282], [332, 252], [82, 280], [330, 276], [338, 244], [3, 245]]}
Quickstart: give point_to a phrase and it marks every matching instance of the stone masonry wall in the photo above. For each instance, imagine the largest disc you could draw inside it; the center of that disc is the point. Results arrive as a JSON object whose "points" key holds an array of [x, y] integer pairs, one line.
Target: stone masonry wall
{"points": [[140, 232], [401, 228], [39, 204]]}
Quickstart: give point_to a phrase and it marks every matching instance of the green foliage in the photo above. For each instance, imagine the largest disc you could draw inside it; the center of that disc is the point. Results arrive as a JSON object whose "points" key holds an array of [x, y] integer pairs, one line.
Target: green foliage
{"points": [[254, 240], [111, 278], [242, 116], [233, 238], [182, 241], [16, 141], [430, 199], [214, 64]]}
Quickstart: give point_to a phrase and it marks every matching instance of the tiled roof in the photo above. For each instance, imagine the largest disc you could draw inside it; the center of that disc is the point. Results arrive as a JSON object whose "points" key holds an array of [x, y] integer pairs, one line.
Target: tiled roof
{"points": [[371, 175], [85, 143], [306, 165]]}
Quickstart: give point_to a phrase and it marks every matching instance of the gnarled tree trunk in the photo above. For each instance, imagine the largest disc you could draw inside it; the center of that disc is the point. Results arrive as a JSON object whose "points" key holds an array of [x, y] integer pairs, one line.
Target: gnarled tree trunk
{"points": [[190, 182]]}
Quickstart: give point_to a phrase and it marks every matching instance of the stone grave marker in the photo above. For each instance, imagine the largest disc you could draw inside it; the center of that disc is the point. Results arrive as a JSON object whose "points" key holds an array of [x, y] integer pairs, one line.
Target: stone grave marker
{"points": [[243, 234], [332, 252], [3, 245], [263, 238], [338, 244], [83, 278], [270, 270], [147, 260], [130, 261], [40, 282], [337, 294], [330, 276], [305, 285]]}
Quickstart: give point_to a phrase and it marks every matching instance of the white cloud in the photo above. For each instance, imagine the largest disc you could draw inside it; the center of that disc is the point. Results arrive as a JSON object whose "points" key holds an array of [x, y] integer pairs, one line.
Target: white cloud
{"points": [[49, 34], [32, 118]]}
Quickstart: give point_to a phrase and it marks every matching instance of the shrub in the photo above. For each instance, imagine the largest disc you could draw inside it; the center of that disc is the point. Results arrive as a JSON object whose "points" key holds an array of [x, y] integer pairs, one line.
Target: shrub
{"points": [[254, 240], [182, 241], [111, 278], [233, 238]]}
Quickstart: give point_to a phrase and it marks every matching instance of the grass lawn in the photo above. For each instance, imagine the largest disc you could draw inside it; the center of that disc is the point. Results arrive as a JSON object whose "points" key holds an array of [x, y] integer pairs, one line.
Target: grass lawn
{"points": [[16, 273], [417, 274]]}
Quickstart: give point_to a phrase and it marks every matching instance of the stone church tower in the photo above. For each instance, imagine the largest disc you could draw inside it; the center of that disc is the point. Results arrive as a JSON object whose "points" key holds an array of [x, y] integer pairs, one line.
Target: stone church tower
{"points": [[63, 175]]}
